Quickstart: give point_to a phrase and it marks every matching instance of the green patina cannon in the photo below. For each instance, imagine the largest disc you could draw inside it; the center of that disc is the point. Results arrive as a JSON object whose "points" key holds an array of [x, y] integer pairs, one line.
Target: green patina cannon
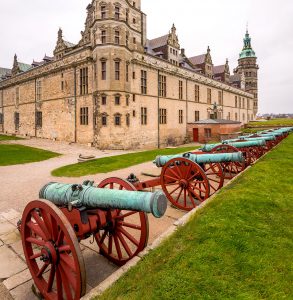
{"points": [[113, 213], [189, 179], [239, 145]]}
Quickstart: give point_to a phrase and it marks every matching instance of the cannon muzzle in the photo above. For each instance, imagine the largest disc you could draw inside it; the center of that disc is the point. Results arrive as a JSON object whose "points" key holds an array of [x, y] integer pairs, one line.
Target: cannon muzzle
{"points": [[94, 198]]}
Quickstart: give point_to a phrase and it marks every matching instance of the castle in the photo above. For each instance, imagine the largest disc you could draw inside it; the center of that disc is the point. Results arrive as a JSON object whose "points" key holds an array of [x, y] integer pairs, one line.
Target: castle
{"points": [[117, 89]]}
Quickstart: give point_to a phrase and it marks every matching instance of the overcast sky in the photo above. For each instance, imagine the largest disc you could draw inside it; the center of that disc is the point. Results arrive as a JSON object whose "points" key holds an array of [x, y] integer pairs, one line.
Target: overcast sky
{"points": [[29, 28]]}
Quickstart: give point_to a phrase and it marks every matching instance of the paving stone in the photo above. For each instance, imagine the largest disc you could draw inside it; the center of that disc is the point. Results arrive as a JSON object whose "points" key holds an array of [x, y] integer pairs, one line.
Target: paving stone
{"points": [[6, 227], [17, 247], [98, 268], [10, 263], [89, 243], [24, 292], [17, 279], [11, 214], [4, 293], [11, 237]]}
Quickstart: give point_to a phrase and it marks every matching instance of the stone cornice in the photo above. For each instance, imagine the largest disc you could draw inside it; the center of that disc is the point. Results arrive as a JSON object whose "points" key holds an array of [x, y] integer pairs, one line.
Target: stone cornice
{"points": [[166, 67]]}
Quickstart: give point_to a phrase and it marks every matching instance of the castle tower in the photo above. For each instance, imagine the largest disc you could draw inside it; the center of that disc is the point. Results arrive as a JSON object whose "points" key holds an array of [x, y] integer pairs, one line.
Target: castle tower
{"points": [[247, 65]]}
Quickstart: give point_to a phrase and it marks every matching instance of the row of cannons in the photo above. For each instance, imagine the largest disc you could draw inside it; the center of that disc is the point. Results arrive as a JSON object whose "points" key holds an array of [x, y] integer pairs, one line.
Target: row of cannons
{"points": [[115, 211]]}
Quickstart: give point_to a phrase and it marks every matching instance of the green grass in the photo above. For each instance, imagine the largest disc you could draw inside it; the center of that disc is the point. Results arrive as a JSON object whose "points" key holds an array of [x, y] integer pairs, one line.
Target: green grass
{"points": [[273, 122], [9, 138], [240, 246], [18, 154], [109, 164]]}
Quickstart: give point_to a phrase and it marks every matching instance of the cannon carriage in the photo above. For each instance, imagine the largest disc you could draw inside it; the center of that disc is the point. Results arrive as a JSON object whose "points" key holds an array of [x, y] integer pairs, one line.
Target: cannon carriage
{"points": [[114, 213], [188, 179]]}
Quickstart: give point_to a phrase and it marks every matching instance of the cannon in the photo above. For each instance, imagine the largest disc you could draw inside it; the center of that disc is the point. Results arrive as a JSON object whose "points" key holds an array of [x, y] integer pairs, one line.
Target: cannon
{"points": [[188, 179], [249, 150], [113, 213]]}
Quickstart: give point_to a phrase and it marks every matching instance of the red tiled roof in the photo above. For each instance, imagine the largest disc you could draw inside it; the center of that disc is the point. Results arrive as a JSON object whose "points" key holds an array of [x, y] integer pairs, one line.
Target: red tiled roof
{"points": [[198, 60], [159, 42], [219, 69]]}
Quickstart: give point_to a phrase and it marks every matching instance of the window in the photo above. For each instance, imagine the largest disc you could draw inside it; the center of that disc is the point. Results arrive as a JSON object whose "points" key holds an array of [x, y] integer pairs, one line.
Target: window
{"points": [[104, 70], [229, 116], [220, 98], [104, 120], [162, 86], [209, 96], [163, 116], [39, 119], [243, 103], [143, 82], [133, 97], [180, 89], [127, 39], [117, 120], [134, 21], [16, 121], [103, 36], [83, 84], [128, 120], [117, 37], [62, 85], [1, 118], [17, 96], [180, 116], [127, 100], [127, 16], [117, 100], [103, 12], [104, 100], [39, 90], [134, 40], [117, 13], [196, 116], [243, 117], [117, 70], [133, 113], [236, 102], [236, 116], [127, 71], [143, 116], [84, 116], [196, 93], [207, 132], [248, 104]]}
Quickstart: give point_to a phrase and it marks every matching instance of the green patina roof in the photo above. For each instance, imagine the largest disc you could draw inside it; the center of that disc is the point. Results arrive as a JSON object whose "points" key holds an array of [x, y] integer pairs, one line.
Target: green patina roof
{"points": [[247, 50], [24, 67]]}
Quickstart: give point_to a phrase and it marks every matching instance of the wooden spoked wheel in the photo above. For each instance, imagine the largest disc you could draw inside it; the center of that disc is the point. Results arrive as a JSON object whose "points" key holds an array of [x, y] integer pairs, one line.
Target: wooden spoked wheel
{"points": [[52, 252], [231, 169], [126, 233], [215, 175], [184, 183]]}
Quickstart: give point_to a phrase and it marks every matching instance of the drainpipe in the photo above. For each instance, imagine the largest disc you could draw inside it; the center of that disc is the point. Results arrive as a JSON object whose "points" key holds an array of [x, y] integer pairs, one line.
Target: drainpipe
{"points": [[158, 111], [35, 107], [75, 105], [186, 130]]}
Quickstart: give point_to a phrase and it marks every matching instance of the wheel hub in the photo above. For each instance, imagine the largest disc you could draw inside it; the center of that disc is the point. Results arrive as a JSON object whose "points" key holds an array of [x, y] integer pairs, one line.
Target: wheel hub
{"points": [[183, 183], [50, 254]]}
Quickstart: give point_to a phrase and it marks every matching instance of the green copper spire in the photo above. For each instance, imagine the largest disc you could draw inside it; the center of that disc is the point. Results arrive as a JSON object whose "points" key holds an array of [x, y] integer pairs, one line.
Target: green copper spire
{"points": [[247, 50]]}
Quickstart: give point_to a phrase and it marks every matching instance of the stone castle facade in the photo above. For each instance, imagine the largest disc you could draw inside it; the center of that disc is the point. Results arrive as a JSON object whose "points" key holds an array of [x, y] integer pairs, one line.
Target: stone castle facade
{"points": [[117, 89]]}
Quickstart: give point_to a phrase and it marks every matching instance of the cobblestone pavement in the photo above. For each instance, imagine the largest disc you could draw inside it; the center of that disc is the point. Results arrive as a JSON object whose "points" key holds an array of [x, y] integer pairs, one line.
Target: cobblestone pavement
{"points": [[21, 184]]}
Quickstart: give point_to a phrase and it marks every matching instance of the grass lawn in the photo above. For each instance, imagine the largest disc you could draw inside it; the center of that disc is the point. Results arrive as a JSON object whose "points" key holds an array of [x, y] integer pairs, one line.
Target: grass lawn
{"points": [[108, 164], [9, 138], [273, 122], [18, 154], [238, 247]]}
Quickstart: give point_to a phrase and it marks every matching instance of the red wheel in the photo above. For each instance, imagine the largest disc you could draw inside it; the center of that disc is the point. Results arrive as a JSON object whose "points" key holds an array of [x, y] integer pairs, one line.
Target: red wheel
{"points": [[126, 233], [52, 252], [215, 175], [230, 168], [184, 183]]}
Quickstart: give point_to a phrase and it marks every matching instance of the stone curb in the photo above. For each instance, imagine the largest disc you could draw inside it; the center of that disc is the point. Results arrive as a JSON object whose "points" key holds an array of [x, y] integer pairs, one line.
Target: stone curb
{"points": [[107, 283]]}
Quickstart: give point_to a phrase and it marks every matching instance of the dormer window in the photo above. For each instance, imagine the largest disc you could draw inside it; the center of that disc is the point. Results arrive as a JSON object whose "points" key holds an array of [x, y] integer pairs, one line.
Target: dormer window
{"points": [[103, 12], [117, 13]]}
